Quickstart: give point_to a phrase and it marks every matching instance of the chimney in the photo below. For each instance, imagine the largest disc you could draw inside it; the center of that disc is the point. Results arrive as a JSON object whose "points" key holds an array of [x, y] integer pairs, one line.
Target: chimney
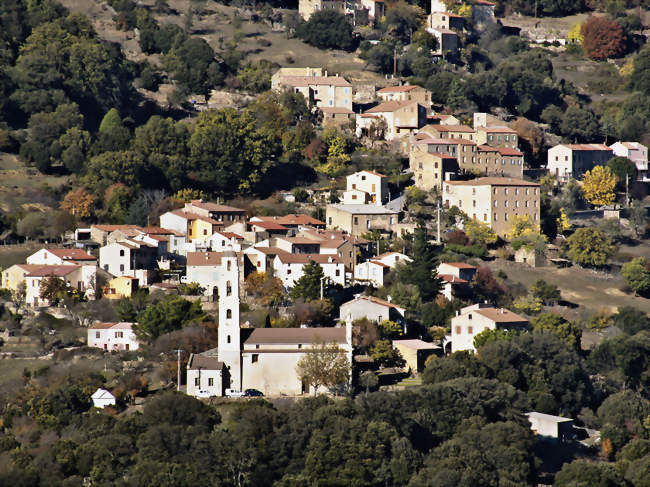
{"points": [[502, 311], [326, 73], [329, 259], [389, 298]]}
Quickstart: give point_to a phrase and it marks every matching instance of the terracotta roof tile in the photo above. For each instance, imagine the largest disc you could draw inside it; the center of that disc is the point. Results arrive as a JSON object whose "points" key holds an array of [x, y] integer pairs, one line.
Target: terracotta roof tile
{"points": [[291, 336], [204, 258]]}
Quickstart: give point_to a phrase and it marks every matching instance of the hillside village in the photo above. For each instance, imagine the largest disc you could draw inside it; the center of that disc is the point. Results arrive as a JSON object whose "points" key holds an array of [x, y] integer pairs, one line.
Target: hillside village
{"points": [[418, 258]]}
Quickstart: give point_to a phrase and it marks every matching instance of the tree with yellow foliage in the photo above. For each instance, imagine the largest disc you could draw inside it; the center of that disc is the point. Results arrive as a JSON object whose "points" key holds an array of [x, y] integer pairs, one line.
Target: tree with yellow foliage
{"points": [[563, 223], [598, 186], [522, 226], [575, 34], [78, 203], [480, 233], [186, 195]]}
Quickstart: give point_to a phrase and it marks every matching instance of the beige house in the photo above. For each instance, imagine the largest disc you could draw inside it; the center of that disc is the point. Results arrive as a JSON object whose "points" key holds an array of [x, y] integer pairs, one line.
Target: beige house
{"points": [[497, 161], [445, 20], [14, 276], [359, 219], [430, 169], [307, 8], [338, 117], [416, 352], [482, 119], [474, 319], [494, 200], [100, 233], [270, 357], [72, 275], [497, 137], [366, 187], [406, 93], [321, 91], [401, 118], [449, 132]]}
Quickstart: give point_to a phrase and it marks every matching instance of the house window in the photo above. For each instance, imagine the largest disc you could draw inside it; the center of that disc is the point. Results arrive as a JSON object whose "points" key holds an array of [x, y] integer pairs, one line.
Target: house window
{"points": [[197, 381], [484, 217], [474, 203], [228, 288], [289, 271], [473, 190], [300, 345], [121, 267], [205, 232], [505, 216], [210, 381], [354, 196], [330, 220], [494, 191], [121, 253], [526, 203], [495, 217], [527, 191], [259, 264], [470, 330], [496, 203], [458, 330], [368, 224], [505, 203], [97, 334], [254, 358], [228, 265], [469, 316], [338, 272], [228, 340], [356, 220], [228, 314]]}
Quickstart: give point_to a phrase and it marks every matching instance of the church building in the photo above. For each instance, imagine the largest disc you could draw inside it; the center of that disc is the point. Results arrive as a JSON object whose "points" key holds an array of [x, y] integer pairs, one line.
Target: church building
{"points": [[264, 359]]}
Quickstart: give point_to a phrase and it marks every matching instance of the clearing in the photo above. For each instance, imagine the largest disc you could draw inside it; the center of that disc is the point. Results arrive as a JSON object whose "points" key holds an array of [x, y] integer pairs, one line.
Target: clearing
{"points": [[590, 290]]}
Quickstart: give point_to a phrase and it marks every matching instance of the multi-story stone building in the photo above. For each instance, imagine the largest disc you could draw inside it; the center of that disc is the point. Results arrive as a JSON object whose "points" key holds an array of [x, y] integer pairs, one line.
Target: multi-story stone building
{"points": [[494, 200]]}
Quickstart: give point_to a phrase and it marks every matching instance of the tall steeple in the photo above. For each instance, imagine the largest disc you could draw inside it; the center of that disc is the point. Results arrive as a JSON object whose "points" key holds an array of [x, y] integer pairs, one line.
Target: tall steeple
{"points": [[229, 335]]}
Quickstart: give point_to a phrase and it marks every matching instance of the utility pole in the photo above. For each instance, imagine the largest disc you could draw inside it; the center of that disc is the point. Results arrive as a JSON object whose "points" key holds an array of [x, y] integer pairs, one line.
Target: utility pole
{"points": [[178, 384], [627, 190], [438, 222], [321, 286], [394, 61]]}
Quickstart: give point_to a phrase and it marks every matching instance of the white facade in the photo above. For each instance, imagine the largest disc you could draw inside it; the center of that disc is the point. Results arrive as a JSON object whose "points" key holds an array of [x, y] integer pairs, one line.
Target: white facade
{"points": [[290, 267], [102, 398], [566, 161], [173, 221], [474, 319], [371, 272], [372, 184], [127, 257], [372, 308], [113, 336], [205, 375], [61, 257], [392, 258], [457, 269], [205, 269], [229, 334], [636, 152], [221, 241]]}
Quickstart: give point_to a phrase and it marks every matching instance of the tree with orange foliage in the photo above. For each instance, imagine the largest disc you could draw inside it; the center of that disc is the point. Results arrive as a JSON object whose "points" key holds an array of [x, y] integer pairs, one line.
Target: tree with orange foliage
{"points": [[603, 38], [78, 203]]}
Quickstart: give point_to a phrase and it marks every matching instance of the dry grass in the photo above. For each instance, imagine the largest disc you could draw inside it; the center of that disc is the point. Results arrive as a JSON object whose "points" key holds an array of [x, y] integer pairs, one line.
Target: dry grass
{"points": [[25, 188]]}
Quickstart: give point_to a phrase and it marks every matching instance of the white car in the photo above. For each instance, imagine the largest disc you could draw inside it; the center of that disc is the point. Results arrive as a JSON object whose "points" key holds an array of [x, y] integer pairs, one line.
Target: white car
{"points": [[233, 393], [204, 394]]}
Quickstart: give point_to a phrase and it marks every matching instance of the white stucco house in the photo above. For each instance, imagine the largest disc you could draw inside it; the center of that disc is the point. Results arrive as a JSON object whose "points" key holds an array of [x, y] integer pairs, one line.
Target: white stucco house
{"points": [[290, 267], [372, 308], [474, 319], [637, 153], [371, 272], [205, 374], [566, 161], [113, 336]]}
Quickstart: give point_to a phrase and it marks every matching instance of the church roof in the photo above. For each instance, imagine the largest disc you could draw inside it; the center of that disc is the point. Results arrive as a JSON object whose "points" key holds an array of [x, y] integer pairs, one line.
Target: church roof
{"points": [[290, 336]]}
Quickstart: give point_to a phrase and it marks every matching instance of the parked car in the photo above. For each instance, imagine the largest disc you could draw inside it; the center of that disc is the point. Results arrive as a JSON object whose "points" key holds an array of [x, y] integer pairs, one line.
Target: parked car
{"points": [[253, 393], [204, 394], [234, 393]]}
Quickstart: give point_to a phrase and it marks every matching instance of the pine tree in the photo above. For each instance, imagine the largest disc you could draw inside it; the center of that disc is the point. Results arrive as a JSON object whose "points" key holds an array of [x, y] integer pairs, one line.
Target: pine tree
{"points": [[308, 286], [421, 271]]}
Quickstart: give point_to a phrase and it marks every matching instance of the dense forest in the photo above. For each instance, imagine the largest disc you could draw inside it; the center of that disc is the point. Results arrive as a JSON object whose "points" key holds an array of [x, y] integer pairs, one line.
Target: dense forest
{"points": [[464, 427]]}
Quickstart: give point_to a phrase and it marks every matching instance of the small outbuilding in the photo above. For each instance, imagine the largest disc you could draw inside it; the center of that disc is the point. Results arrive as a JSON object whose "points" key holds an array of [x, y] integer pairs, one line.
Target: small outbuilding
{"points": [[416, 352], [551, 427], [102, 398]]}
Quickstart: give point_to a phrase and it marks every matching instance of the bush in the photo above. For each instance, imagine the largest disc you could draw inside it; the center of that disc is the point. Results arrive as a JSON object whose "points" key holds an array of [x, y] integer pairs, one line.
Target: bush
{"points": [[327, 29], [470, 250]]}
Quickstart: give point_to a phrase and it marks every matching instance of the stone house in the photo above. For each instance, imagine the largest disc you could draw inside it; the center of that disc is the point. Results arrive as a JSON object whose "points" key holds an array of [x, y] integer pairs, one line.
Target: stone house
{"points": [[402, 118], [405, 93], [497, 137], [494, 200], [359, 219]]}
